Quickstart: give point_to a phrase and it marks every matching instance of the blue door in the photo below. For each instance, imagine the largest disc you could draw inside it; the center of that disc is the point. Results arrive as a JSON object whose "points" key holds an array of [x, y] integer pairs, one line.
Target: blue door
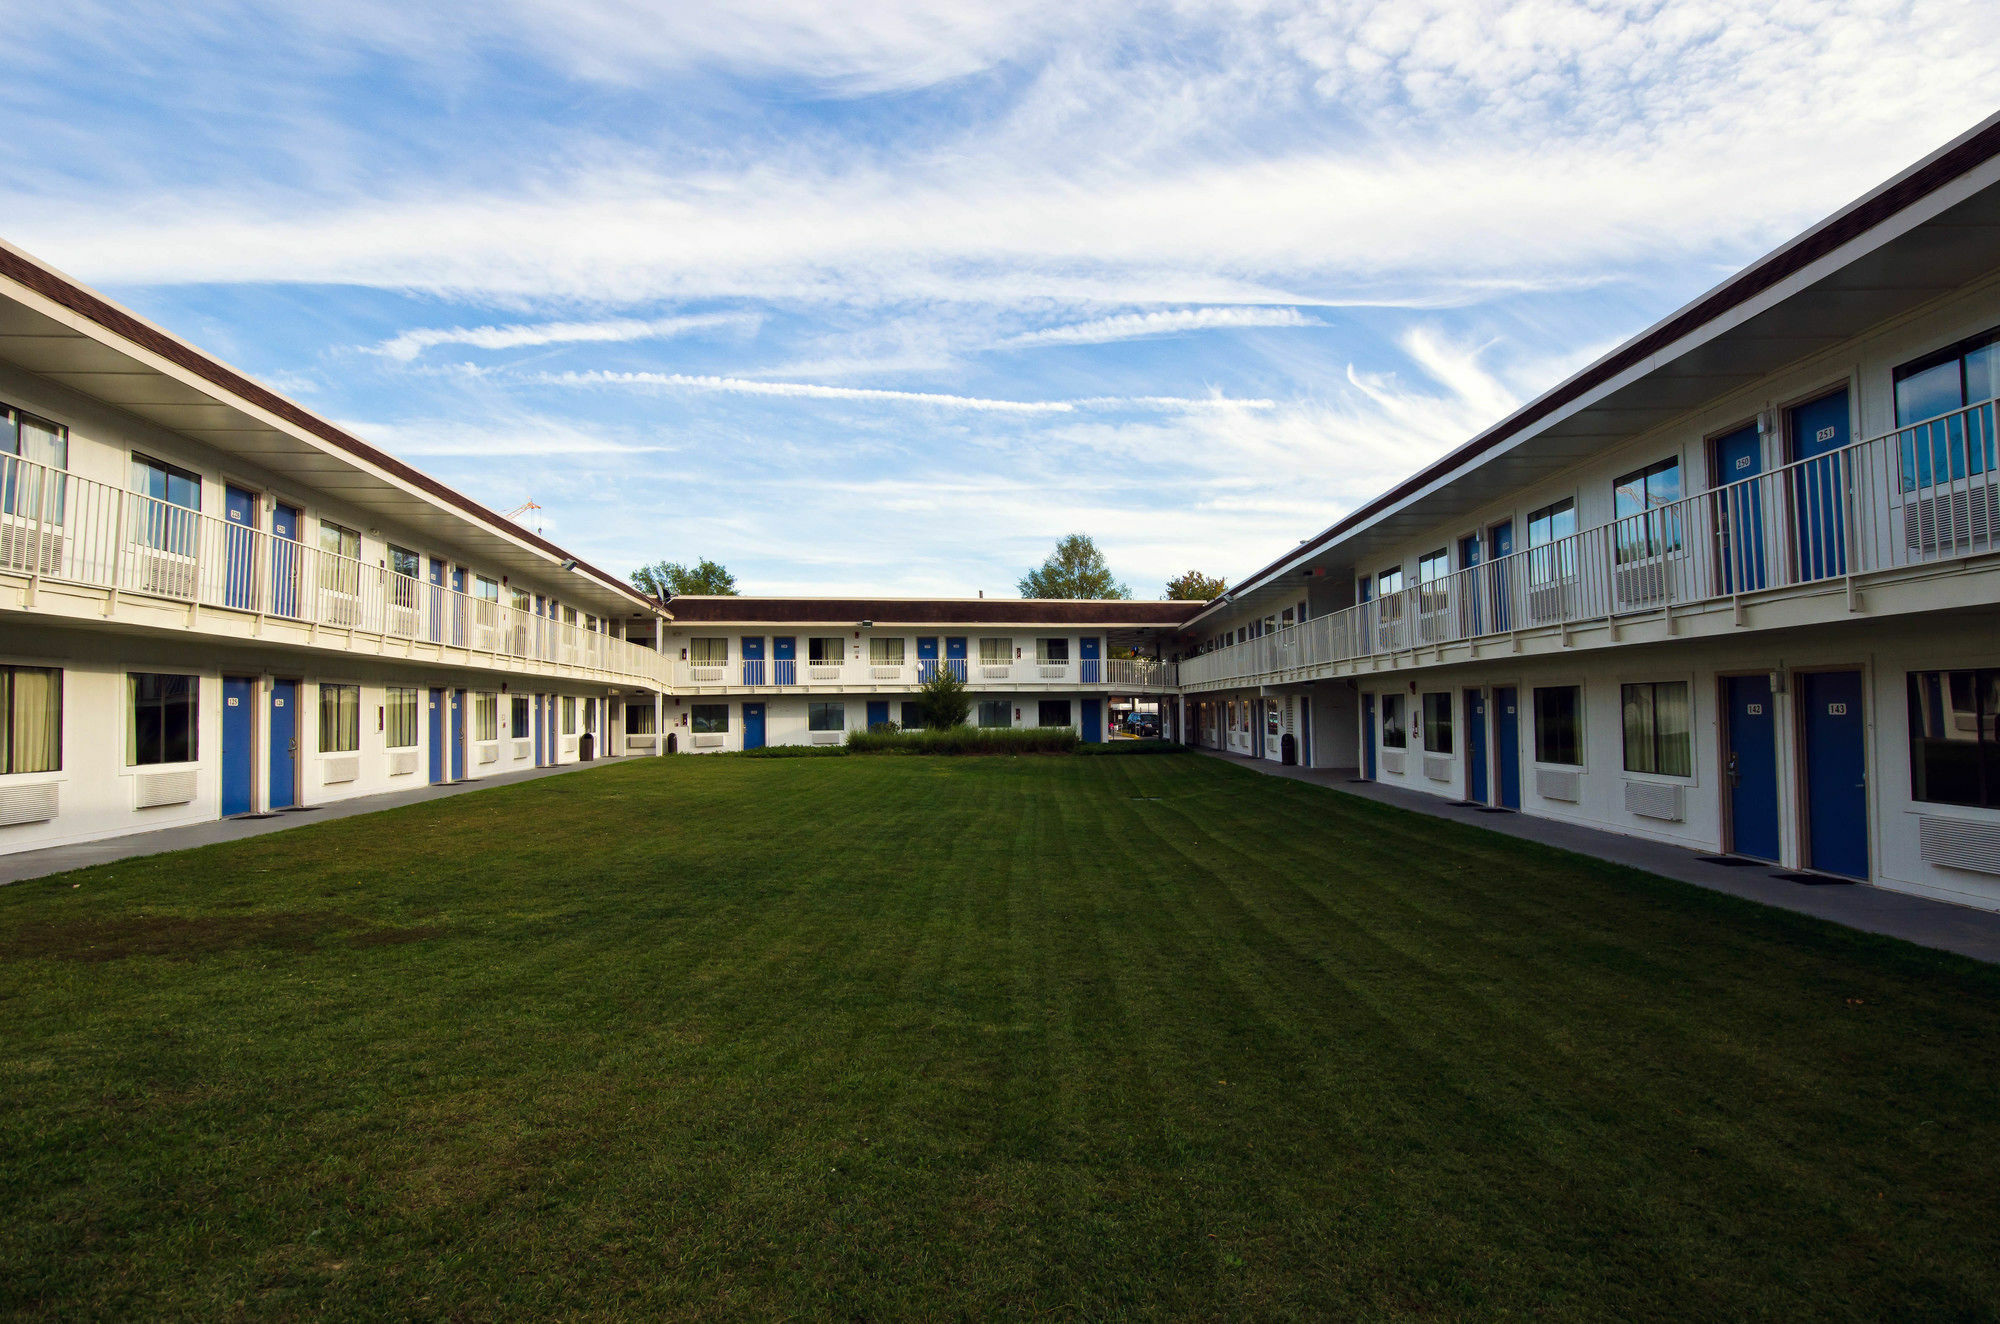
{"points": [[1816, 432], [954, 655], [753, 724], [284, 743], [1500, 546], [239, 744], [878, 713], [1093, 721], [1739, 513], [785, 660], [1468, 557], [456, 606], [927, 658], [1507, 745], [239, 550], [437, 730], [1089, 650], [1836, 772], [437, 600], [285, 560], [458, 735], [1475, 746], [1369, 735], [1750, 765], [753, 663]]}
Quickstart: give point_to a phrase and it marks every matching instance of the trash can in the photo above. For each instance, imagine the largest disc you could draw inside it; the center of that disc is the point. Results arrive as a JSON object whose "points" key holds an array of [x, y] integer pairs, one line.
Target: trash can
{"points": [[1288, 750], [673, 743], [586, 747]]}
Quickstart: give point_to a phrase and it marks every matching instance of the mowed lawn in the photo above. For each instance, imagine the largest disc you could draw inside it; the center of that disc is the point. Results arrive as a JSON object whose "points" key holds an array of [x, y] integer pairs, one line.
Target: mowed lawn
{"points": [[972, 1038]]}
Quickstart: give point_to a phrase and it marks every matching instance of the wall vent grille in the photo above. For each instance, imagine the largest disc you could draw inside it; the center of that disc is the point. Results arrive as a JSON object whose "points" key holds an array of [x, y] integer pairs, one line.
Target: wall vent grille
{"points": [[708, 740], [1558, 784], [29, 804], [826, 737], [1955, 843], [639, 742], [1392, 761], [166, 788], [1437, 767], [521, 748], [343, 769], [489, 753], [1655, 800], [402, 762]]}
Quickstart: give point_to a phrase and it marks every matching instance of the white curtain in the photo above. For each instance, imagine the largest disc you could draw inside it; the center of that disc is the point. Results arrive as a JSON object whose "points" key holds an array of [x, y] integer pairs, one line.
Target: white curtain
{"points": [[31, 735]]}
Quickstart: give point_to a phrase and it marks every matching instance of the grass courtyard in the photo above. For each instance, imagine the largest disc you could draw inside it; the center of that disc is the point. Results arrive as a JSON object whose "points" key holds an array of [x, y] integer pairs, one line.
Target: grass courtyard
{"points": [[1033, 1038]]}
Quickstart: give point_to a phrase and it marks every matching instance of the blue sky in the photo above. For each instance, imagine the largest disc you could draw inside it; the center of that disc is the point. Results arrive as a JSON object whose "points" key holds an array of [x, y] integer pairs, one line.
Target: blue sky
{"points": [[888, 297]]}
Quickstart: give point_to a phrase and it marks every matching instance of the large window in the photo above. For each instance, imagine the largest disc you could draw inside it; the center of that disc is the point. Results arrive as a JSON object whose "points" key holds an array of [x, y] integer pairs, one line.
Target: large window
{"points": [[485, 717], [638, 718], [400, 721], [712, 719], [1657, 728], [339, 718], [569, 714], [1437, 722], [996, 652], [1551, 556], [163, 719], [823, 717], [708, 652], [1054, 712], [167, 521], [885, 652], [1644, 528], [405, 562], [1389, 582], [30, 719], [1433, 566], [1559, 725], [1394, 733], [1274, 721], [1954, 751], [1968, 373], [29, 493], [519, 725], [913, 715], [995, 712], [826, 650], [340, 552], [1052, 653]]}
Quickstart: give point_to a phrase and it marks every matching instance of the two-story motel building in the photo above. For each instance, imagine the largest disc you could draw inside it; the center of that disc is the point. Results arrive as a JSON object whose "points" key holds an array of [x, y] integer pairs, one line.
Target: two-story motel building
{"points": [[1733, 586]]}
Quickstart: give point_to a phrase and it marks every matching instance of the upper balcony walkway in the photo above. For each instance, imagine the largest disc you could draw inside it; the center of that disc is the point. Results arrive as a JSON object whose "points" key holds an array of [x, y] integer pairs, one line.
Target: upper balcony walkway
{"points": [[1795, 545], [98, 555], [791, 674]]}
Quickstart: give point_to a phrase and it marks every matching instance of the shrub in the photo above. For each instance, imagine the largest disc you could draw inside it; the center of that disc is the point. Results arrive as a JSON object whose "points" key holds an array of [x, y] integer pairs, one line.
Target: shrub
{"points": [[943, 701], [967, 740], [796, 752]]}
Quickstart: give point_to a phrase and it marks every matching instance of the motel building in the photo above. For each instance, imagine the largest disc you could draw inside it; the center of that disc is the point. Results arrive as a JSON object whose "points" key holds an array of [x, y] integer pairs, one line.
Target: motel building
{"points": [[806, 671], [1733, 587]]}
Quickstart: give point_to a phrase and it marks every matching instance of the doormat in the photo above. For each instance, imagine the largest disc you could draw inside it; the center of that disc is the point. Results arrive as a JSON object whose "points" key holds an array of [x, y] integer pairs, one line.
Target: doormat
{"points": [[269, 815], [300, 809], [1494, 809], [1733, 861], [1360, 781], [1815, 879]]}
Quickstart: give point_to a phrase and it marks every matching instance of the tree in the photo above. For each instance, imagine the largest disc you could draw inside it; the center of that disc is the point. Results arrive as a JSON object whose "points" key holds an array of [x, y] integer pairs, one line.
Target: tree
{"points": [[1194, 586], [942, 700], [1075, 569], [664, 579]]}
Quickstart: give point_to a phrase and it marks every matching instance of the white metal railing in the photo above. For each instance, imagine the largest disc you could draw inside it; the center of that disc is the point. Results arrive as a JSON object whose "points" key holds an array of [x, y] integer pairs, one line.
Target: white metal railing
{"points": [[1920, 495], [789, 673], [63, 528]]}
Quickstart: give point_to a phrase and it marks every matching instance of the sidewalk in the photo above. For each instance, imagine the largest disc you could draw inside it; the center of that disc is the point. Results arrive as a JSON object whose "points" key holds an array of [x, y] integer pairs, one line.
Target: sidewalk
{"points": [[1928, 923], [57, 859]]}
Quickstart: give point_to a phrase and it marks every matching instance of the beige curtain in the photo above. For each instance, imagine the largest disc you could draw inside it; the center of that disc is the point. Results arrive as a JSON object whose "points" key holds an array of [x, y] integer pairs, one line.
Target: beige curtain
{"points": [[31, 735]]}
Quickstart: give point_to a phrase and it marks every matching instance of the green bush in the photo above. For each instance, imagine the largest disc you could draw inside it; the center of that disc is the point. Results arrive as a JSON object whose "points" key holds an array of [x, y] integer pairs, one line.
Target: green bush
{"points": [[796, 752], [967, 740], [943, 700], [1133, 747]]}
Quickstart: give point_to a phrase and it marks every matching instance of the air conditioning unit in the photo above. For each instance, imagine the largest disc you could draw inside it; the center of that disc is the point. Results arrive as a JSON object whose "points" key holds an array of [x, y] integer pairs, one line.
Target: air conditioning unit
{"points": [[346, 768], [1952, 521], [22, 551], [162, 573], [1640, 585], [1558, 784], [1955, 843], [1549, 604], [1664, 801]]}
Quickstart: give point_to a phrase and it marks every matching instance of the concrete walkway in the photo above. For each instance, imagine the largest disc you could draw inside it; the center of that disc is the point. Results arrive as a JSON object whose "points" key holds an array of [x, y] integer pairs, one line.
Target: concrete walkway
{"points": [[1939, 924], [58, 859]]}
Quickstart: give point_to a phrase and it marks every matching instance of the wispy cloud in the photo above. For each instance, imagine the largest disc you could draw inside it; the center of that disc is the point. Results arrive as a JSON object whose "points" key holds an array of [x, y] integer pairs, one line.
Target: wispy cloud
{"points": [[1166, 322], [870, 394], [409, 344]]}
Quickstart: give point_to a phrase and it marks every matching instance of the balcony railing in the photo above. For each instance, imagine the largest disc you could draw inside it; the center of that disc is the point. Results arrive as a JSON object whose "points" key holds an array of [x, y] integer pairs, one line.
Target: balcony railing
{"points": [[62, 528], [1921, 495], [791, 673]]}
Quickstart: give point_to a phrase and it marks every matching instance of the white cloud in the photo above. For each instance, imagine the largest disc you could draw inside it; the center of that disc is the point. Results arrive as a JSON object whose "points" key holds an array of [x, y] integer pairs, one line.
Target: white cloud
{"points": [[1165, 322], [409, 344], [819, 391]]}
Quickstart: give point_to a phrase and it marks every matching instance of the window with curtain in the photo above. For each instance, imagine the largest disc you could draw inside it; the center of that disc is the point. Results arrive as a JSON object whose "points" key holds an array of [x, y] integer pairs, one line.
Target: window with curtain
{"points": [[1394, 733], [339, 568], [569, 714], [826, 650], [1954, 748], [995, 712], [1054, 712], [885, 652], [1559, 725], [638, 719], [485, 717], [32, 493], [1551, 556], [30, 719], [1052, 652], [711, 652], [162, 719], [996, 652], [165, 521], [822, 717], [519, 724], [1658, 728], [400, 708], [339, 718], [1437, 722], [1639, 500], [712, 719]]}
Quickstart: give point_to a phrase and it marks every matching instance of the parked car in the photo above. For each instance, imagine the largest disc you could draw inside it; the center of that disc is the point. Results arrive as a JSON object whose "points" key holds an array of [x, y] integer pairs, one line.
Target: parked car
{"points": [[1143, 725]]}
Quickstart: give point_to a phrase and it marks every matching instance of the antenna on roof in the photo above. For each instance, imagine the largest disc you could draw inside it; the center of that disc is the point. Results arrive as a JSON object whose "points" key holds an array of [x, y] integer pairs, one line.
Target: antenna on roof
{"points": [[521, 510]]}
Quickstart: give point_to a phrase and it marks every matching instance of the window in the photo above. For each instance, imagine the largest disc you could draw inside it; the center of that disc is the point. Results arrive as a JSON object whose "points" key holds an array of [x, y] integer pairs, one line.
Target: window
{"points": [[1968, 373], [340, 550], [1285, 619], [638, 719], [1644, 528], [339, 718], [1954, 750], [30, 719], [1230, 706], [1559, 725], [712, 719], [708, 652], [826, 651], [162, 728], [404, 562], [160, 522], [1433, 566], [1273, 721], [1657, 737], [1393, 731], [487, 590], [995, 652], [400, 716], [569, 617], [590, 717], [913, 716], [339, 540], [486, 717], [1550, 558], [885, 652], [1054, 712], [569, 714], [26, 492], [1052, 653], [1437, 722], [518, 599], [1389, 582], [520, 717], [824, 717], [995, 712]]}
